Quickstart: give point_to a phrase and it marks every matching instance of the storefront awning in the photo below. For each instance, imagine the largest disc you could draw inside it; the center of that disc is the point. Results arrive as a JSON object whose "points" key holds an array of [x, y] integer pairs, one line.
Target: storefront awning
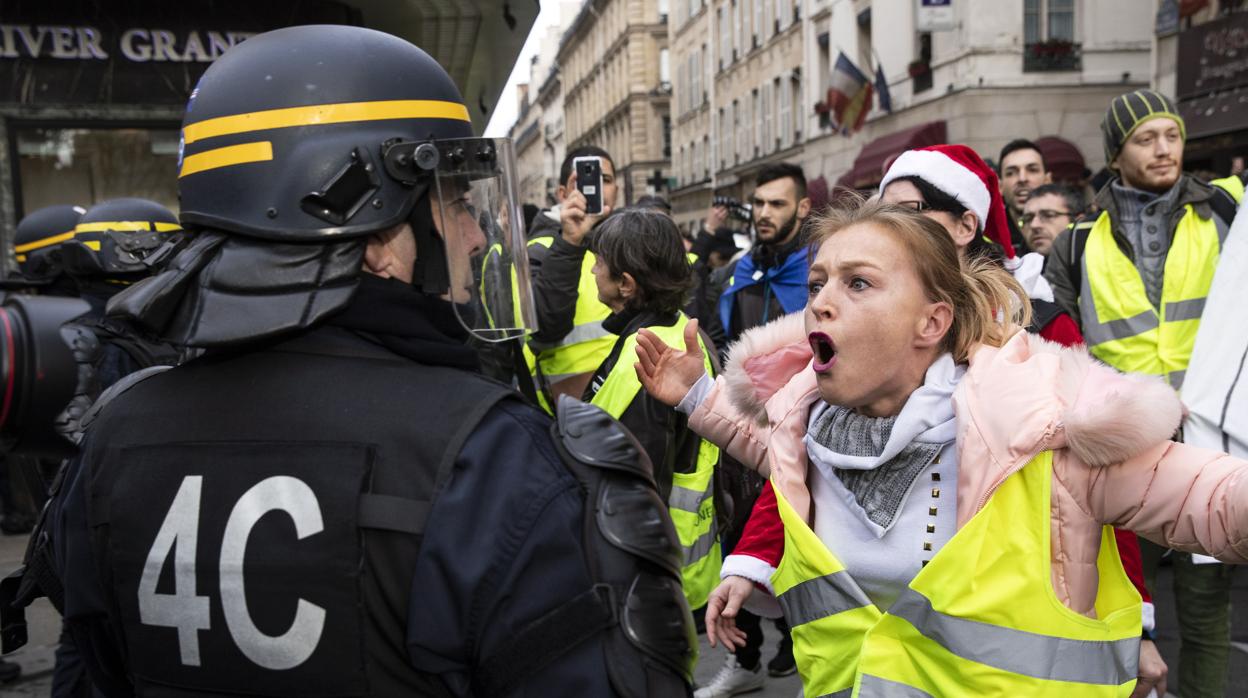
{"points": [[876, 156], [1065, 161]]}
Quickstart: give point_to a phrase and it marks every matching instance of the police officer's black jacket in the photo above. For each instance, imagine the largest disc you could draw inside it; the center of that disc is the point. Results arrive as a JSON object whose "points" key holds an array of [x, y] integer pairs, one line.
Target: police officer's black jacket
{"points": [[242, 471]]}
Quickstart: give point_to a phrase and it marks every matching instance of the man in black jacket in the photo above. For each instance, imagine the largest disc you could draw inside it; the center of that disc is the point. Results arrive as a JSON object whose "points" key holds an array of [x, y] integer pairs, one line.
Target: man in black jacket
{"points": [[330, 500], [570, 341]]}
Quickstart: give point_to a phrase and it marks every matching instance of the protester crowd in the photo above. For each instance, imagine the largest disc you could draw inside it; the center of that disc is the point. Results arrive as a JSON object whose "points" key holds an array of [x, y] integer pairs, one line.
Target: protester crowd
{"points": [[933, 432], [1014, 217]]}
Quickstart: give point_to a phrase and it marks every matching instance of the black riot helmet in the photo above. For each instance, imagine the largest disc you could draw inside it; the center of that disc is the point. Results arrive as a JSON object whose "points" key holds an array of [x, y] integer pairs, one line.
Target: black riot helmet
{"points": [[38, 240], [325, 134], [114, 238]]}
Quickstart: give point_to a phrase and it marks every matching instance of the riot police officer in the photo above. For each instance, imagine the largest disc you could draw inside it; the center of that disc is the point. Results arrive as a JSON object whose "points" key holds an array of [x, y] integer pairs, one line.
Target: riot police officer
{"points": [[112, 247], [36, 247], [329, 501]]}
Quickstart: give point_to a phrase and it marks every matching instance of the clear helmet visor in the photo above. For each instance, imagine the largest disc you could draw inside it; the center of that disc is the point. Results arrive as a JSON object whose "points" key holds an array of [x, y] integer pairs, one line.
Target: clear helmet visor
{"points": [[476, 206]]}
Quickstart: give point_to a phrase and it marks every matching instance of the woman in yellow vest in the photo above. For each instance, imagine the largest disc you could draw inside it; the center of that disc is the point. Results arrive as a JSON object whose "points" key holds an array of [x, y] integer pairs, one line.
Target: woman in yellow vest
{"points": [[946, 481], [644, 277]]}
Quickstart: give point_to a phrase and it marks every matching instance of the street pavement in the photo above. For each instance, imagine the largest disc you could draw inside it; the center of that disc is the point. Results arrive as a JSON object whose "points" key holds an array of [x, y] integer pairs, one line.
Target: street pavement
{"points": [[37, 657]]}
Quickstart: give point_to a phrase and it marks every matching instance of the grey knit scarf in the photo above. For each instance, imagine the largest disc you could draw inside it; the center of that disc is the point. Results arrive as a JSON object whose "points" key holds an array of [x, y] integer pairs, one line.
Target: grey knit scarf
{"points": [[879, 491]]}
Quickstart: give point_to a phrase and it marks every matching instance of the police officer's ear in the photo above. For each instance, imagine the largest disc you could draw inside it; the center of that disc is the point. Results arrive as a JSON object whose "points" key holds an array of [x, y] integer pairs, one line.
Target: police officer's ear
{"points": [[391, 254]]}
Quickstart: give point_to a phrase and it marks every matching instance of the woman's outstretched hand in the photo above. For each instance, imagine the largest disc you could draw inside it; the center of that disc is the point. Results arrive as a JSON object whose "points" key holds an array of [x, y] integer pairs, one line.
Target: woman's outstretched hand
{"points": [[721, 611], [666, 373]]}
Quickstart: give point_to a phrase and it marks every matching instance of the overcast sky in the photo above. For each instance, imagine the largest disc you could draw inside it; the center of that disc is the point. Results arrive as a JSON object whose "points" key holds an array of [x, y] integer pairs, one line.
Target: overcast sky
{"points": [[505, 113]]}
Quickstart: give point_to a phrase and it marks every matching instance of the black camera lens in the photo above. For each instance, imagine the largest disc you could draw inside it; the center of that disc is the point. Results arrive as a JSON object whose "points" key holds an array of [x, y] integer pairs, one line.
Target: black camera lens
{"points": [[38, 373]]}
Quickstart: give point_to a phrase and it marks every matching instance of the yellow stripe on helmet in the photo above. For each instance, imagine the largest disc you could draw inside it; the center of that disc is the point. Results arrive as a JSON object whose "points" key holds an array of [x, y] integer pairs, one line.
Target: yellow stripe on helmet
{"points": [[240, 154], [36, 244], [125, 226], [342, 113]]}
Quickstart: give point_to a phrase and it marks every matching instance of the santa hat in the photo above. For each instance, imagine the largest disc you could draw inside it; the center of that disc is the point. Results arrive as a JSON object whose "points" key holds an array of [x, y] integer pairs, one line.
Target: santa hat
{"points": [[959, 172]]}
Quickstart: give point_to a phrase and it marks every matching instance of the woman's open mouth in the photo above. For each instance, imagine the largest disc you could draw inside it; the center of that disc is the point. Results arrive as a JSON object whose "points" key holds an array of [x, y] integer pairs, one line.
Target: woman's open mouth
{"points": [[824, 349]]}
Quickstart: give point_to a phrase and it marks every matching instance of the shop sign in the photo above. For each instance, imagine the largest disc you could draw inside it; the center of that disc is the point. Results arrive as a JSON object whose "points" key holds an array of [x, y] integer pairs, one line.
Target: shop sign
{"points": [[1213, 56], [935, 16], [136, 44], [140, 52]]}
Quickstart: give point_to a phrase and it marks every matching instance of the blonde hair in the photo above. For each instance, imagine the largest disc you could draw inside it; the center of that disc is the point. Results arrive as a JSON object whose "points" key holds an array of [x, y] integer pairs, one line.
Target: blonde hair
{"points": [[988, 305]]}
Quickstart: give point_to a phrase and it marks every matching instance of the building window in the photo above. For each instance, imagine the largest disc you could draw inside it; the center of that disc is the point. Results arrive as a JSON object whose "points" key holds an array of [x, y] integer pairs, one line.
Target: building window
{"points": [[704, 163], [695, 80], [795, 83], [736, 29], [786, 114], [1049, 36], [665, 69], [779, 16], [921, 68], [864, 37], [744, 135], [769, 143], [1048, 20], [758, 22], [89, 165], [667, 136], [760, 145], [703, 63], [736, 129], [725, 38], [663, 8], [723, 139]]}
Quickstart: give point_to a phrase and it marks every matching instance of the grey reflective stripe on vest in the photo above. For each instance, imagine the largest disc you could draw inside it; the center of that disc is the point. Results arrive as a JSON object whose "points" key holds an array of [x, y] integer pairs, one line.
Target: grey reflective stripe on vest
{"points": [[1175, 379], [1097, 332], [701, 547], [821, 597], [581, 333], [1105, 663], [685, 499], [1190, 309], [876, 687], [839, 694]]}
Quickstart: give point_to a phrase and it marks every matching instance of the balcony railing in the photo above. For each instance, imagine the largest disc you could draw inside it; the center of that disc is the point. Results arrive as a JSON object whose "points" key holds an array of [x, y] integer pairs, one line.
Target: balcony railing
{"points": [[1052, 55]]}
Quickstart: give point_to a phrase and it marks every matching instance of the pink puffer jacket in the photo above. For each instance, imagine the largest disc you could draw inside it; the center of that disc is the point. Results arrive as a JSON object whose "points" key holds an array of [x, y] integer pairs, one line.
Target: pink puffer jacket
{"points": [[1113, 462]]}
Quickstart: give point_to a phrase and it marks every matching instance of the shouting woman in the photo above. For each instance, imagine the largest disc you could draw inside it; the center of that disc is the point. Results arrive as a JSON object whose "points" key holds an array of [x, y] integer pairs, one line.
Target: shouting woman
{"points": [[946, 481]]}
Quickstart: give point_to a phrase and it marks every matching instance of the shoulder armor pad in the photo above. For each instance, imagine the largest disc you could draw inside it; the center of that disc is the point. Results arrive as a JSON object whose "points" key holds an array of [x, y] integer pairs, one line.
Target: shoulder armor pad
{"points": [[595, 438], [113, 391]]}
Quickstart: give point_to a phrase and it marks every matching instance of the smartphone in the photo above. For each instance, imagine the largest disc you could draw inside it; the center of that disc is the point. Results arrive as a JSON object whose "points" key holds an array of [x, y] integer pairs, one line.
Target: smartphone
{"points": [[589, 182]]}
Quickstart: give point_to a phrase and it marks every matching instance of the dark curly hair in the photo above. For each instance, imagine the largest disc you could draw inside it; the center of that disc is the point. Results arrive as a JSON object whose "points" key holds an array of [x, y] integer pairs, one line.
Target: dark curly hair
{"points": [[646, 244]]}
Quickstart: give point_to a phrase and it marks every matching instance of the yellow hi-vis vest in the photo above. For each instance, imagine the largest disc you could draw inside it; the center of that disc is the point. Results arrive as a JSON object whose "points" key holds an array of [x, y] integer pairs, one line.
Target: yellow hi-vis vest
{"points": [[691, 503], [1120, 325], [584, 348], [980, 619]]}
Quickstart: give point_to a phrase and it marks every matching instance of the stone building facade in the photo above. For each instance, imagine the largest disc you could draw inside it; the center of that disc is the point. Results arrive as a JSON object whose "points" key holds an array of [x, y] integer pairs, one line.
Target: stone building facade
{"points": [[750, 73], [613, 62], [736, 101]]}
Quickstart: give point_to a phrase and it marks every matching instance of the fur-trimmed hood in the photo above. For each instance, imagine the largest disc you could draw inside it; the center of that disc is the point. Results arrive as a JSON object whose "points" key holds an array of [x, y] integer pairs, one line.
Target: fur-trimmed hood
{"points": [[1024, 397]]}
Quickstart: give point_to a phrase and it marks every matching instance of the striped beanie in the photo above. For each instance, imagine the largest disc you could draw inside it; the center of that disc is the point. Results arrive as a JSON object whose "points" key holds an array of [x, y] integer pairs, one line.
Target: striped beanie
{"points": [[1130, 110]]}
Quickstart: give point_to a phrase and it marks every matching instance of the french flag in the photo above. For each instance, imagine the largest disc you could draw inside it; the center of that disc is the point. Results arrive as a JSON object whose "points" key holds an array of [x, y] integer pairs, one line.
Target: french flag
{"points": [[849, 95]]}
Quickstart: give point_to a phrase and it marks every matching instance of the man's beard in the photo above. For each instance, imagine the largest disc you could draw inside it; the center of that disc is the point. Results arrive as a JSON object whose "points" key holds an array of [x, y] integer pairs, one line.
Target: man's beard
{"points": [[782, 233]]}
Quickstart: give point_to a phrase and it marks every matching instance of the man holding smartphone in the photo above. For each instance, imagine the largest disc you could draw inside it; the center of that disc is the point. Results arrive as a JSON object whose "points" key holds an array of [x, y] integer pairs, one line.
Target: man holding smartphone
{"points": [[570, 342]]}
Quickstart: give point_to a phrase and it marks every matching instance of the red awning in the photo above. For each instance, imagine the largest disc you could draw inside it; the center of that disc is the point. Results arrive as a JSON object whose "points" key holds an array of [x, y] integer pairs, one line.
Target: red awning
{"points": [[1065, 161], [876, 156]]}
